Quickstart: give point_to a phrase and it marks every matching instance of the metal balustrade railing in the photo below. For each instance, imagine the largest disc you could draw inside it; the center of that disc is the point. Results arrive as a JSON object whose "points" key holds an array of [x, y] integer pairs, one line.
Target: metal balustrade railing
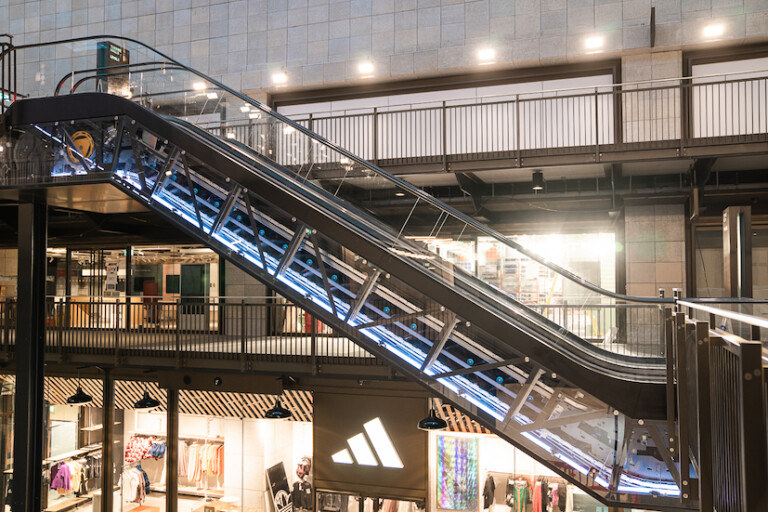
{"points": [[687, 112], [222, 328], [721, 408]]}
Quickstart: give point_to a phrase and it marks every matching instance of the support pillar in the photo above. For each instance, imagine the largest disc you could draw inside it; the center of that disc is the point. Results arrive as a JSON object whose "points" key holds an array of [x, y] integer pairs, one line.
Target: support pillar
{"points": [[737, 251], [30, 353], [172, 456], [108, 428]]}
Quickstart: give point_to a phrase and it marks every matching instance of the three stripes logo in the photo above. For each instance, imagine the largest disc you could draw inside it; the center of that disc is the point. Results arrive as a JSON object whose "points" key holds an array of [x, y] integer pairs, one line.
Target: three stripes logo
{"points": [[360, 445]]}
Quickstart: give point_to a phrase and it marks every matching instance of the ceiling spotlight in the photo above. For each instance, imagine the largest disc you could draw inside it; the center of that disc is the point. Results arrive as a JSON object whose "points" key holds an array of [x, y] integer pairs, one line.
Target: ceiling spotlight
{"points": [[538, 180], [199, 86], [486, 55], [400, 194], [280, 77], [594, 42], [278, 412], [80, 397], [212, 95], [715, 30], [432, 422], [365, 68]]}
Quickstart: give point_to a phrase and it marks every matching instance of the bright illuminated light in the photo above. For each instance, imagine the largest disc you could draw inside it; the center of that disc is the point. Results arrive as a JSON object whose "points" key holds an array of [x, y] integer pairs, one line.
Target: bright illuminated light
{"points": [[245, 108], [2, 148], [594, 42], [289, 130], [400, 194], [254, 115], [230, 135], [199, 86], [486, 54], [280, 78], [382, 444], [365, 68], [212, 95], [342, 457], [714, 30], [362, 451]]}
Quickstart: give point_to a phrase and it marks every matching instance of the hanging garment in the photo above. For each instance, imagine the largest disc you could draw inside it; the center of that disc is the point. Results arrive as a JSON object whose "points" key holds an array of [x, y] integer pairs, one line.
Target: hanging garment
{"points": [[301, 495], [63, 479], [488, 489], [138, 448], [536, 499], [555, 497], [569, 498], [510, 495], [521, 490], [562, 495], [544, 495], [183, 458]]}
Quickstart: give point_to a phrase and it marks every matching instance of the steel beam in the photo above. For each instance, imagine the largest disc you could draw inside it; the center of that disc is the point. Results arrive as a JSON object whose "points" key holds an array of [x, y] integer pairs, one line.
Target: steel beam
{"points": [[30, 355], [442, 339], [171, 476], [362, 295], [293, 248], [107, 434]]}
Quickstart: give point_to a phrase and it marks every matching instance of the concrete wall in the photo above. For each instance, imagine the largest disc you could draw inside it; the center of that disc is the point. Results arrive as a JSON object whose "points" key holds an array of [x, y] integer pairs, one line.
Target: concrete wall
{"points": [[322, 42], [655, 249]]}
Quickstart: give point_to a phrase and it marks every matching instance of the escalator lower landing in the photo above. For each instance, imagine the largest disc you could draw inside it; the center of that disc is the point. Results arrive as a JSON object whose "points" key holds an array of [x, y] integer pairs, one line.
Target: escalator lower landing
{"points": [[502, 374]]}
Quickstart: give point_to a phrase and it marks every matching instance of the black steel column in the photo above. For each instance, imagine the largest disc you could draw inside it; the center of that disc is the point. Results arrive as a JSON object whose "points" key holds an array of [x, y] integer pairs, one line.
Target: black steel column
{"points": [[107, 445], [172, 456], [30, 352]]}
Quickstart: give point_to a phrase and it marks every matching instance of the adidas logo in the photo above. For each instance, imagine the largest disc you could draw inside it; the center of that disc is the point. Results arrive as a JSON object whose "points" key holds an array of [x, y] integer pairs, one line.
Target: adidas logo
{"points": [[375, 435]]}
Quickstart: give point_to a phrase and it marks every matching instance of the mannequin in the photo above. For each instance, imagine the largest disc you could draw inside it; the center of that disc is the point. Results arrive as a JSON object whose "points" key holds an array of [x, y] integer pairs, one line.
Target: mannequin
{"points": [[302, 488]]}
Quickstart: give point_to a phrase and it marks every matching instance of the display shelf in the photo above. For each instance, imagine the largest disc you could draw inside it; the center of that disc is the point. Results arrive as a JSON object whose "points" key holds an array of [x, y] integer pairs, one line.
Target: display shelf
{"points": [[217, 439], [95, 427], [191, 491], [85, 450]]}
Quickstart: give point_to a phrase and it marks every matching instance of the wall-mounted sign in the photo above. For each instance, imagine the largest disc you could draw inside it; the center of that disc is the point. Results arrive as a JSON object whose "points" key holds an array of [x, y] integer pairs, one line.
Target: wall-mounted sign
{"points": [[370, 445]]}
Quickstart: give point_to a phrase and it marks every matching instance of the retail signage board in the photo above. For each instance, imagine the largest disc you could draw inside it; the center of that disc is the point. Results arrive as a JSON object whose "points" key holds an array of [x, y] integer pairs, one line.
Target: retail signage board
{"points": [[370, 445]]}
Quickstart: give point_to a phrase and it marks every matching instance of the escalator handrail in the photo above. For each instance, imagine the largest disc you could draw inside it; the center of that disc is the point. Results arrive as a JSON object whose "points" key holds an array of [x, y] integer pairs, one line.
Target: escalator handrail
{"points": [[415, 191]]}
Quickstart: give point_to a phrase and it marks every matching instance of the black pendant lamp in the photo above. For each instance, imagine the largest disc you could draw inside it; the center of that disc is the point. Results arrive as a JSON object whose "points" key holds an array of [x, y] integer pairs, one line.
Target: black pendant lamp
{"points": [[538, 180], [432, 422], [80, 397], [146, 402], [278, 412]]}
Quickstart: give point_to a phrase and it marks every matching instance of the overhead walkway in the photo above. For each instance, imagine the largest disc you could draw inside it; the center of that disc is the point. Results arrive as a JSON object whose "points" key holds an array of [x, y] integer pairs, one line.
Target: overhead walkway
{"points": [[597, 417]]}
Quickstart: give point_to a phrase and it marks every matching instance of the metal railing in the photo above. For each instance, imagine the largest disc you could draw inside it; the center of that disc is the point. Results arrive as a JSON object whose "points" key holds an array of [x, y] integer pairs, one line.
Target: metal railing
{"points": [[721, 409], [222, 328], [631, 329], [672, 114]]}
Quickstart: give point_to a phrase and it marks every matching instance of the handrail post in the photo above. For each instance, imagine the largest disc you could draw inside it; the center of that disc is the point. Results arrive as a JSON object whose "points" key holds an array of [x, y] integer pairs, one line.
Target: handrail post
{"points": [[517, 131], [243, 326], [669, 325], [178, 333], [682, 405], [706, 481], [310, 156], [445, 137], [313, 339], [597, 126], [375, 135], [752, 422]]}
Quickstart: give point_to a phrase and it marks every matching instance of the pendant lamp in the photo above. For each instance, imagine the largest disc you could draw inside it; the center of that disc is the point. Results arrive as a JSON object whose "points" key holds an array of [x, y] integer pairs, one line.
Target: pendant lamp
{"points": [[278, 412], [432, 422], [146, 402], [80, 397]]}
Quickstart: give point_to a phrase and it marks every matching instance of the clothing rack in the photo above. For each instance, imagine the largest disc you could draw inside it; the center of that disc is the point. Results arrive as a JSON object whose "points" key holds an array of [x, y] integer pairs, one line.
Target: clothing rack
{"points": [[215, 439], [76, 454]]}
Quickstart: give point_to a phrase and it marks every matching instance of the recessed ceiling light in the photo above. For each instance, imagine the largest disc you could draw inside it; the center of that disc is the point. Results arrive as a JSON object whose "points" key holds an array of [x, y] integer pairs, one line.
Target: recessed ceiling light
{"points": [[212, 95], [486, 55], [245, 108], [365, 68], [594, 42], [199, 86], [280, 78], [400, 194], [715, 30]]}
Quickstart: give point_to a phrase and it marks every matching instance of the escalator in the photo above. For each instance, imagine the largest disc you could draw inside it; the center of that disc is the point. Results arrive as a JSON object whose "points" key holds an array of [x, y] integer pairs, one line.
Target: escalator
{"points": [[596, 417]]}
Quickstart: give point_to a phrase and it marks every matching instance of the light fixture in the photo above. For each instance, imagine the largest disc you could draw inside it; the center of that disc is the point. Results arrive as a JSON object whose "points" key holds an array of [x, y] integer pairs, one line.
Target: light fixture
{"points": [[280, 77], [245, 108], [538, 180], [714, 30], [400, 194], [278, 412], [594, 42], [212, 95], [230, 135], [486, 55], [432, 422], [365, 68], [80, 397], [287, 130], [146, 402], [199, 86], [254, 115]]}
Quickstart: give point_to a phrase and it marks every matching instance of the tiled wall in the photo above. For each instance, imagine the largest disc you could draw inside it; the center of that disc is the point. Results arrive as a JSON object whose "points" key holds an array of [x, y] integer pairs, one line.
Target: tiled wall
{"points": [[655, 249], [321, 42]]}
